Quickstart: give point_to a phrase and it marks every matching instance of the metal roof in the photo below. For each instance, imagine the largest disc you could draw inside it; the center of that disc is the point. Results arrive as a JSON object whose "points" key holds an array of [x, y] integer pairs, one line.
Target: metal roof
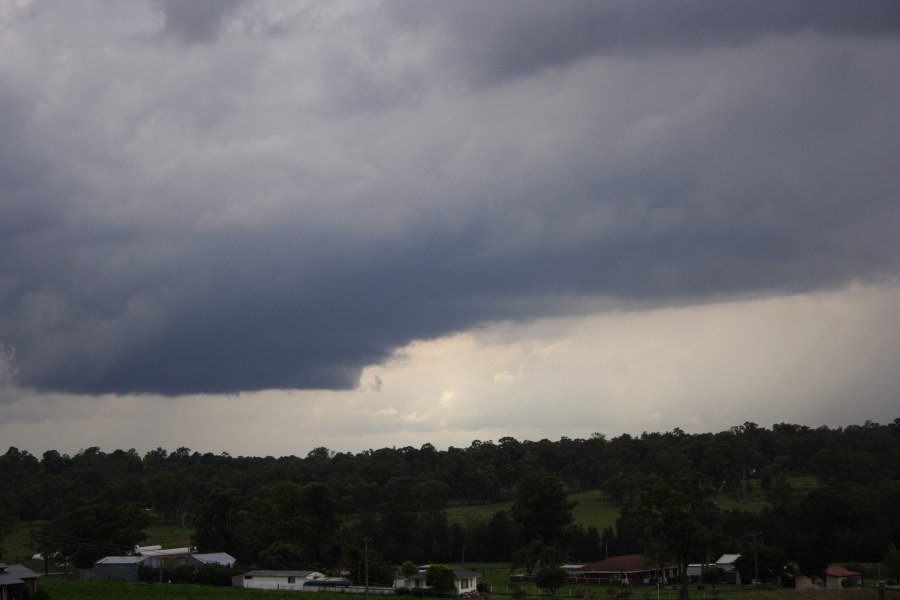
{"points": [[218, 558], [6, 579], [275, 573], [21, 571], [120, 560]]}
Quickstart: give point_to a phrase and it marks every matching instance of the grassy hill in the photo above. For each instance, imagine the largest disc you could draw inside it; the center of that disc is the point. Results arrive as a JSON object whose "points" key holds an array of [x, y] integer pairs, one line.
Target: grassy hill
{"points": [[73, 589]]}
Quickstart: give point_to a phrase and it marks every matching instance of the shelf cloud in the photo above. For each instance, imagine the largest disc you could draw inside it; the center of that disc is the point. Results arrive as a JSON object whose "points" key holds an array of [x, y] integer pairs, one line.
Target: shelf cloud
{"points": [[226, 197]]}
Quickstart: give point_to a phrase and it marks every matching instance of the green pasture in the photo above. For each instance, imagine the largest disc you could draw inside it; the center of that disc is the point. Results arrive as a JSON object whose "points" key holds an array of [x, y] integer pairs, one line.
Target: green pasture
{"points": [[75, 589], [168, 534]]}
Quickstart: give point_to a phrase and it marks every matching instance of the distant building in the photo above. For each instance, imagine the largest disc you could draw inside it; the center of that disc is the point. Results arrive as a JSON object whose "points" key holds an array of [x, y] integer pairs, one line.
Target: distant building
{"points": [[113, 568], [211, 558], [465, 580], [125, 568], [265, 579], [14, 579], [728, 563], [839, 577], [630, 569], [157, 557]]}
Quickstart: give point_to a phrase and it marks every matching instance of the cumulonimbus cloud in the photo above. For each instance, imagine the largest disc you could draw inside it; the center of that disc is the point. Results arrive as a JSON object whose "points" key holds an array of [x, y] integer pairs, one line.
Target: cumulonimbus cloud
{"points": [[274, 199]]}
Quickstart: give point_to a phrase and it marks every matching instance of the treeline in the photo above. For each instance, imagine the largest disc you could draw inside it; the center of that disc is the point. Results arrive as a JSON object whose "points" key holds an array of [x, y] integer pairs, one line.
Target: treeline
{"points": [[318, 509]]}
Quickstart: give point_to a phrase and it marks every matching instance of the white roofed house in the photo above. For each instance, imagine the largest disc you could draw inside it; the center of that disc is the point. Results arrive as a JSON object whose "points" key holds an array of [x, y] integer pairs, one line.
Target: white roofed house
{"points": [[465, 580], [266, 579], [728, 563], [212, 558]]}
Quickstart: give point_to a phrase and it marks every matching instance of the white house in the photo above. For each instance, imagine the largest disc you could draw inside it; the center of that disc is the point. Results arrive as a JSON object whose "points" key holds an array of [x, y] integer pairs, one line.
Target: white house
{"points": [[728, 563], [466, 581], [263, 579]]}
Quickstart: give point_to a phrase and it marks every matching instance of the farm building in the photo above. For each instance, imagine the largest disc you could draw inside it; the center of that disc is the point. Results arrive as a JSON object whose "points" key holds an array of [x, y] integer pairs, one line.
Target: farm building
{"points": [[264, 579], [728, 563], [839, 577], [157, 558], [630, 569], [211, 558], [14, 579], [113, 568]]}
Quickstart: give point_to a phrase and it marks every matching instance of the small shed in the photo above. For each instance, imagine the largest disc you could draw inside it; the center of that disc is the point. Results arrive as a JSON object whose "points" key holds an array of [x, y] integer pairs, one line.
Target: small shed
{"points": [[14, 579], [113, 568], [728, 563], [265, 579], [838, 577]]}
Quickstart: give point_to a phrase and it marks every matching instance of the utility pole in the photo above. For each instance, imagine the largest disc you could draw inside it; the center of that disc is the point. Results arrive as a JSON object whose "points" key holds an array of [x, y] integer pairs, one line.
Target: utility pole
{"points": [[366, 559], [755, 557]]}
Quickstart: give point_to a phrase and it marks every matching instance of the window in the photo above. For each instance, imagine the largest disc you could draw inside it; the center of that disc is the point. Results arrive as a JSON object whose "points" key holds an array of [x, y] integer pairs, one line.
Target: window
{"points": [[292, 579]]}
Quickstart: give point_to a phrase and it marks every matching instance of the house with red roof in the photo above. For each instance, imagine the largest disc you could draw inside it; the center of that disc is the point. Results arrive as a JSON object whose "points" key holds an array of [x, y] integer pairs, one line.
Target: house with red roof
{"points": [[838, 577], [630, 569]]}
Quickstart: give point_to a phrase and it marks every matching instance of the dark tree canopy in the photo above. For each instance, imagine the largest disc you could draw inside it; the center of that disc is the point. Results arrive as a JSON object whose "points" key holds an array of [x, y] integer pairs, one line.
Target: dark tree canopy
{"points": [[678, 521], [441, 578], [550, 578], [94, 531], [542, 508], [820, 495]]}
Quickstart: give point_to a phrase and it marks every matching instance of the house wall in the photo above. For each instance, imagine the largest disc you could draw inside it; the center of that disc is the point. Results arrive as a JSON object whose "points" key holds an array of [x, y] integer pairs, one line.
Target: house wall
{"points": [[274, 583], [112, 572], [464, 586]]}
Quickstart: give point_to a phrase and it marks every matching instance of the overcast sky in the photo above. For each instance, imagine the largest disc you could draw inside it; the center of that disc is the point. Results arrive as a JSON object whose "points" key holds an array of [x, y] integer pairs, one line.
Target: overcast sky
{"points": [[265, 226]]}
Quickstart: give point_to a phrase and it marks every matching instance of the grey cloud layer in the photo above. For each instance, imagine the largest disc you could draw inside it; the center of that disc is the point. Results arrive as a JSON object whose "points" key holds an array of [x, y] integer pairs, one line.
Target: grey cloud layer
{"points": [[254, 195]]}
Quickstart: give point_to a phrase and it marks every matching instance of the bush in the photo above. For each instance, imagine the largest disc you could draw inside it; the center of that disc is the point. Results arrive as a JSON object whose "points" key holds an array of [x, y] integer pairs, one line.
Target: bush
{"points": [[42, 594]]}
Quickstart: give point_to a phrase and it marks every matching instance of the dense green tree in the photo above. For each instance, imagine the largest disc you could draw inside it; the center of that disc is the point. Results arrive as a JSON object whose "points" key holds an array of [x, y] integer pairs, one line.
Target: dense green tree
{"points": [[441, 578], [216, 523], [542, 508], [550, 578], [6, 524], [536, 555], [92, 532], [677, 519], [892, 561], [282, 555]]}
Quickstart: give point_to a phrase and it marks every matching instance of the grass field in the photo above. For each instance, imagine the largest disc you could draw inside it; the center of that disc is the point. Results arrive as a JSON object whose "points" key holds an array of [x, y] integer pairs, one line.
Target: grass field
{"points": [[591, 509], [168, 534], [74, 589]]}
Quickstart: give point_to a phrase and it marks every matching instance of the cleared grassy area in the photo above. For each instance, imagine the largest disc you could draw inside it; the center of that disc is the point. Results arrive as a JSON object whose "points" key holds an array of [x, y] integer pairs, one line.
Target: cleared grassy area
{"points": [[17, 545], [464, 513], [74, 589], [168, 534], [592, 509]]}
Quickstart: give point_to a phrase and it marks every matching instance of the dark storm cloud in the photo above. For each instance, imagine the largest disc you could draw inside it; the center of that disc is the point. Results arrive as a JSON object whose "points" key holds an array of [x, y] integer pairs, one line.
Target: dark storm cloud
{"points": [[195, 20], [513, 38], [263, 211]]}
